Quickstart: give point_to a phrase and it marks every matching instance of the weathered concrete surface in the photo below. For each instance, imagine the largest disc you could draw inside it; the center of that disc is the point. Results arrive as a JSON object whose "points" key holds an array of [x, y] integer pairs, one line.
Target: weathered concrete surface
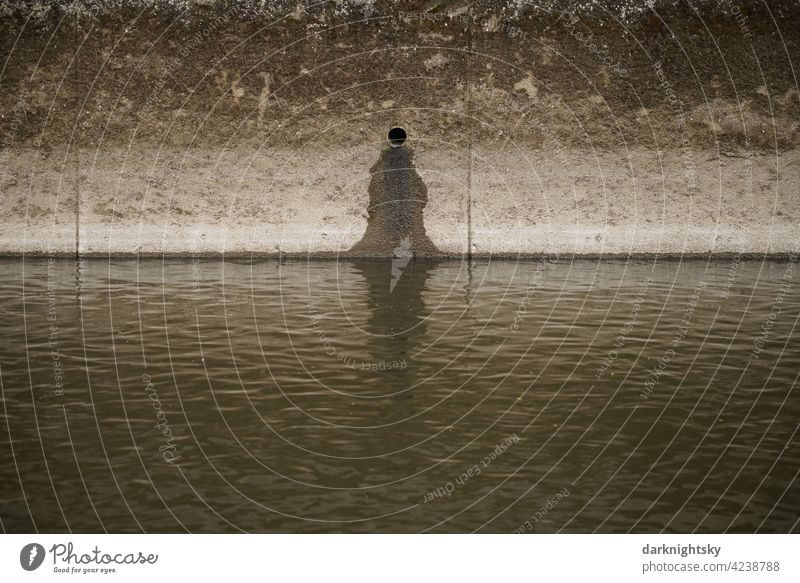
{"points": [[536, 127]]}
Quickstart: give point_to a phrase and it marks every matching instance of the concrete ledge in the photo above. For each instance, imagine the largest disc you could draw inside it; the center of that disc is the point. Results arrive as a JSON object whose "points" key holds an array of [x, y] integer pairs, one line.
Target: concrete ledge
{"points": [[506, 241]]}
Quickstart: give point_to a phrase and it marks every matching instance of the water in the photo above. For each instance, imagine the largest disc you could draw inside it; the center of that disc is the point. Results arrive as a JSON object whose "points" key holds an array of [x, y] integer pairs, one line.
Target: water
{"points": [[539, 396]]}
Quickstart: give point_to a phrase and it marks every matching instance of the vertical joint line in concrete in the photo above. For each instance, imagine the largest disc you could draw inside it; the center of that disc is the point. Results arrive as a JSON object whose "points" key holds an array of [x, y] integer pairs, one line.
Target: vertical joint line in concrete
{"points": [[469, 139], [469, 204], [77, 203]]}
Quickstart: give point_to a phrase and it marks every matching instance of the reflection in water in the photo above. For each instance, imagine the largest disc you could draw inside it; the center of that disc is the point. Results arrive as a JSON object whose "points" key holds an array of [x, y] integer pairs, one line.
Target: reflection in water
{"points": [[398, 317]]}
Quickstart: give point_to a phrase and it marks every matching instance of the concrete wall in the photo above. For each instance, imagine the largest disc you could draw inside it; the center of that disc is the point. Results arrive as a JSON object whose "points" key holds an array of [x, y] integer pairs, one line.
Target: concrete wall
{"points": [[537, 127]]}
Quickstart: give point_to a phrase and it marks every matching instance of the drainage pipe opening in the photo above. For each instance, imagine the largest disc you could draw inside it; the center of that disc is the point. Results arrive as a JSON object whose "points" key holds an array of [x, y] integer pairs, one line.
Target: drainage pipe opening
{"points": [[397, 137]]}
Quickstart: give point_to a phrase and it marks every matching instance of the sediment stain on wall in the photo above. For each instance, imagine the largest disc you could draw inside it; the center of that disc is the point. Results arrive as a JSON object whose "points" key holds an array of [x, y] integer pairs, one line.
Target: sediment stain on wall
{"points": [[397, 198]]}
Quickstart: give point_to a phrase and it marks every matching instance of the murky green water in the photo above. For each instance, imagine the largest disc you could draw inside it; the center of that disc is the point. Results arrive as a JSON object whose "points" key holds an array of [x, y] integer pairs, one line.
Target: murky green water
{"points": [[539, 396]]}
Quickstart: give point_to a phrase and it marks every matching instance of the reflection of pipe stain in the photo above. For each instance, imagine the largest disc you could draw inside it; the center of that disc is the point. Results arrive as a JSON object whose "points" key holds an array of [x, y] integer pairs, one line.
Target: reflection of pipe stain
{"points": [[397, 197], [398, 317]]}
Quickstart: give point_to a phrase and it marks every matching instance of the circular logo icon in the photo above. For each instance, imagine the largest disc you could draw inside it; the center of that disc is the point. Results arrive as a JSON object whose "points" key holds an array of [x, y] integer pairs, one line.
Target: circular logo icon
{"points": [[31, 556]]}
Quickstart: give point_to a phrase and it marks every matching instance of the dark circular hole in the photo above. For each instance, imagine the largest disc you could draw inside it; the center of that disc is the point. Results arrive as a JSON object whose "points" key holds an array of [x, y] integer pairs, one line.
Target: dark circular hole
{"points": [[397, 137]]}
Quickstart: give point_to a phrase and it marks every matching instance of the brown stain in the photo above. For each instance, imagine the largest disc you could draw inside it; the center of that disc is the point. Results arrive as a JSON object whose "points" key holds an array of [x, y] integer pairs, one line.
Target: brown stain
{"points": [[397, 198]]}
